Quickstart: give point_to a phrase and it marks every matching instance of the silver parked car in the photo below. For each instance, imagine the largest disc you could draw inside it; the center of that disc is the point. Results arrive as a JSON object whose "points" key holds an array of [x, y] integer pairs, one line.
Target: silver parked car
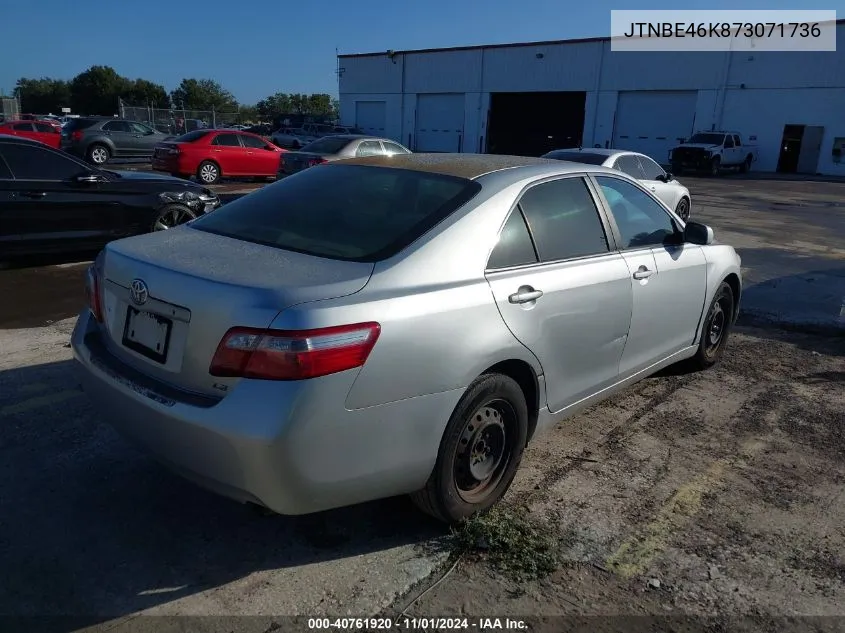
{"points": [[291, 137], [337, 147], [661, 183], [390, 325]]}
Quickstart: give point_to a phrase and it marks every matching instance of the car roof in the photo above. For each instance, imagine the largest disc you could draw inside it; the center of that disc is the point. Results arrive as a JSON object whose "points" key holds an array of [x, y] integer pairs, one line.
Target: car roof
{"points": [[472, 166]]}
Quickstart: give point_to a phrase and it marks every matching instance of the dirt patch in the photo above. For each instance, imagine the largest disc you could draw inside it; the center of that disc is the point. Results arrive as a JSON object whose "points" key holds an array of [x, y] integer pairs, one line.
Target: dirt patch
{"points": [[706, 495]]}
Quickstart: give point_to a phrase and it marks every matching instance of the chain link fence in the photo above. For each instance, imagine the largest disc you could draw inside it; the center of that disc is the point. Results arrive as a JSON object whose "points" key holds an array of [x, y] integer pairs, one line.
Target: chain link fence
{"points": [[177, 120], [10, 108]]}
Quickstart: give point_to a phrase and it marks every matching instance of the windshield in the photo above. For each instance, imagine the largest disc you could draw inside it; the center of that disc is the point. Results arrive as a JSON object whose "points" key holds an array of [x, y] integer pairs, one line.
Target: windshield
{"points": [[577, 157], [328, 145], [348, 212], [707, 139]]}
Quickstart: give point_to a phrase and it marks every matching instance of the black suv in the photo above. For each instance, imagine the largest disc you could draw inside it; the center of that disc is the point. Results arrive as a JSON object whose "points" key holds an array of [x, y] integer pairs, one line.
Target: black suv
{"points": [[51, 202], [97, 139]]}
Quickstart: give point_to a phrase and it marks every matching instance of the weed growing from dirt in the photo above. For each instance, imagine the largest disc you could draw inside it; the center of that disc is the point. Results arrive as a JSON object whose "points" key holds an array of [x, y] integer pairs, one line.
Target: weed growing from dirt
{"points": [[514, 541]]}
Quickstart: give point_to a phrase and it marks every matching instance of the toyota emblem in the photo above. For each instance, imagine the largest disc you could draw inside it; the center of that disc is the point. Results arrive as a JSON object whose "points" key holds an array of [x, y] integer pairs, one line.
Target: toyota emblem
{"points": [[138, 292]]}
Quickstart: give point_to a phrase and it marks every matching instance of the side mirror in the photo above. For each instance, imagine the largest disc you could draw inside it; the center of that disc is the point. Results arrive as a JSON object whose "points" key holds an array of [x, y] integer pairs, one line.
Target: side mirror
{"points": [[669, 177], [696, 233]]}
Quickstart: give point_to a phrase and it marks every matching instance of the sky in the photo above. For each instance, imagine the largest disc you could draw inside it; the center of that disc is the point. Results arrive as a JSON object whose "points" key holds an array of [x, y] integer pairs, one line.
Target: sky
{"points": [[263, 47]]}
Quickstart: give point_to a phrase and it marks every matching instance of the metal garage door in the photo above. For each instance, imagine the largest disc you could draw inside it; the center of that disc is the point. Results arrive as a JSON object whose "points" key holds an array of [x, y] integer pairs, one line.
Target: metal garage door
{"points": [[652, 122], [370, 117], [440, 123]]}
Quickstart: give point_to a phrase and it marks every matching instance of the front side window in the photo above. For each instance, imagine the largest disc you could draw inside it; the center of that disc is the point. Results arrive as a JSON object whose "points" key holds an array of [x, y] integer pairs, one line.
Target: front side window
{"points": [[137, 128], [348, 212], [641, 220], [564, 220], [651, 170], [630, 164], [252, 142], [117, 126], [394, 148], [30, 162]]}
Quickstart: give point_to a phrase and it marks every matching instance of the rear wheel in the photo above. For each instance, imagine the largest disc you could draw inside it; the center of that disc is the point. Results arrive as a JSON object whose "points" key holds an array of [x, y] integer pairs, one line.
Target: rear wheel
{"points": [[746, 165], [208, 172], [172, 215], [480, 451], [98, 154], [716, 328]]}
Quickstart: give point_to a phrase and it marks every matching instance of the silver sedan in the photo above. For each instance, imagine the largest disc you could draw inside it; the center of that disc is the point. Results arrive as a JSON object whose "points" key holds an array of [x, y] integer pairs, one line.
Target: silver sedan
{"points": [[390, 325], [659, 181], [337, 147]]}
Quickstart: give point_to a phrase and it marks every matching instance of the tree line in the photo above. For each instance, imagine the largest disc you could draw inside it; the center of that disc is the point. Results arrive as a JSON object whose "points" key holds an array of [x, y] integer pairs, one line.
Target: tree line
{"points": [[98, 90]]}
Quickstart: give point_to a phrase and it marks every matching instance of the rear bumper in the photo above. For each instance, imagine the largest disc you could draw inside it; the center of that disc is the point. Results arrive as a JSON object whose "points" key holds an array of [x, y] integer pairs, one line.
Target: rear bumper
{"points": [[292, 447], [170, 165]]}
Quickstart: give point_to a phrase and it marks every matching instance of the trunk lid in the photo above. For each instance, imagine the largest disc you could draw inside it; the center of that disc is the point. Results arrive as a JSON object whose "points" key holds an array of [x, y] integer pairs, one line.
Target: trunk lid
{"points": [[191, 287], [297, 161]]}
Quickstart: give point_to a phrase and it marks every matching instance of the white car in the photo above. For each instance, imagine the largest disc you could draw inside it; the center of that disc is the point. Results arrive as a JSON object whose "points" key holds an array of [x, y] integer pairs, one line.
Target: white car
{"points": [[660, 182]]}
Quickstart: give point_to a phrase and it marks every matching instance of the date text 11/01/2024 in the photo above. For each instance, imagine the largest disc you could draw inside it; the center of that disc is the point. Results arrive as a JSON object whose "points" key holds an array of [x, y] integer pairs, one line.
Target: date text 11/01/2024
{"points": [[416, 624], [782, 30]]}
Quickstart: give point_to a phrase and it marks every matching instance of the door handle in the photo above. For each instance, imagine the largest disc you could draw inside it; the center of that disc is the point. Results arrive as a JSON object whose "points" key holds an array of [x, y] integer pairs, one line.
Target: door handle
{"points": [[643, 273], [526, 294], [33, 194]]}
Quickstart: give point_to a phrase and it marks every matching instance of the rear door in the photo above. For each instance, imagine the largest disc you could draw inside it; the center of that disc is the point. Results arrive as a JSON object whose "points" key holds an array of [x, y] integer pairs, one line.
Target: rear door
{"points": [[121, 136], [227, 151], [668, 278], [261, 159], [562, 288], [48, 209], [25, 130]]}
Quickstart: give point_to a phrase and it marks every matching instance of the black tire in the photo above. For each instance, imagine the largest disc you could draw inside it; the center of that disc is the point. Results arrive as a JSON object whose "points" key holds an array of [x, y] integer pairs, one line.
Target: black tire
{"points": [[682, 209], [715, 166], [746, 165], [491, 417], [208, 172], [713, 342], [98, 154], [172, 215]]}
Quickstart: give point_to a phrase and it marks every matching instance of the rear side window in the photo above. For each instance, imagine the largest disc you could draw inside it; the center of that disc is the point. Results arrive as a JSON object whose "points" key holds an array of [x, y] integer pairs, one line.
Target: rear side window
{"points": [[22, 127], [190, 137], [229, 140], [564, 220], [347, 212], [326, 145], [515, 247]]}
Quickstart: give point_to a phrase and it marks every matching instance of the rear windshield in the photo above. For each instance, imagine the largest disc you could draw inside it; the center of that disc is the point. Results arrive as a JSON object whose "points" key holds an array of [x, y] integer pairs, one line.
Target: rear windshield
{"points": [[707, 139], [190, 137], [578, 157], [326, 145], [80, 124], [348, 212]]}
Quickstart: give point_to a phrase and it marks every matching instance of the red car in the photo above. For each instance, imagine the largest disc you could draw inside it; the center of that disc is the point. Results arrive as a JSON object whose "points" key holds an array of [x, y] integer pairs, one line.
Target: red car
{"points": [[36, 130], [213, 154]]}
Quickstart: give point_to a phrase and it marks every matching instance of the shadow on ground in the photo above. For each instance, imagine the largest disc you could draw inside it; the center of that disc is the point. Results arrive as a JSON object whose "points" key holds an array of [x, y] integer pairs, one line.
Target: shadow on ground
{"points": [[92, 528]]}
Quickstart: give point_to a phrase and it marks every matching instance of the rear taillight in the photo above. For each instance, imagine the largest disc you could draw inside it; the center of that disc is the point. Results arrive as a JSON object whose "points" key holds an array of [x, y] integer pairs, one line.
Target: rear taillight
{"points": [[174, 151], [76, 136], [294, 354], [316, 161], [92, 291]]}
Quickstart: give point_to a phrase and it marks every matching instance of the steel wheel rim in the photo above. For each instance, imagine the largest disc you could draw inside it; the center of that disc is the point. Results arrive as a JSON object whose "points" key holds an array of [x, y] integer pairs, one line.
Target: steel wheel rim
{"points": [[99, 155], [683, 210], [208, 173], [716, 325], [484, 451], [171, 219], [714, 167]]}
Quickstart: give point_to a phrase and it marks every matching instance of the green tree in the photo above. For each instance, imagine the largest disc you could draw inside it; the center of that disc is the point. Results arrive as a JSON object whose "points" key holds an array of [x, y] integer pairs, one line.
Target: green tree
{"points": [[318, 105], [249, 114], [203, 94], [43, 96], [142, 92], [274, 105], [97, 90]]}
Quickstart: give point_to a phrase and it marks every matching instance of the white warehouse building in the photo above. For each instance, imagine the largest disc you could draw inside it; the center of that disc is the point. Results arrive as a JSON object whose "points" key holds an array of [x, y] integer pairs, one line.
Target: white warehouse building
{"points": [[532, 97]]}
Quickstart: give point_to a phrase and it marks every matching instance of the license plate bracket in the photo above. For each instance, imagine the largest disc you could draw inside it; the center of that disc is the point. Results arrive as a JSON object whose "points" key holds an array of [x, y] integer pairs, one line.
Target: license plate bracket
{"points": [[147, 334]]}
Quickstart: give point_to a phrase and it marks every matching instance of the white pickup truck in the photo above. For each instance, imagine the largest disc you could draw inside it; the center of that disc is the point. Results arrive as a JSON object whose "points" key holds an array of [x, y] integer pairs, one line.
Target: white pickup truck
{"points": [[712, 152]]}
